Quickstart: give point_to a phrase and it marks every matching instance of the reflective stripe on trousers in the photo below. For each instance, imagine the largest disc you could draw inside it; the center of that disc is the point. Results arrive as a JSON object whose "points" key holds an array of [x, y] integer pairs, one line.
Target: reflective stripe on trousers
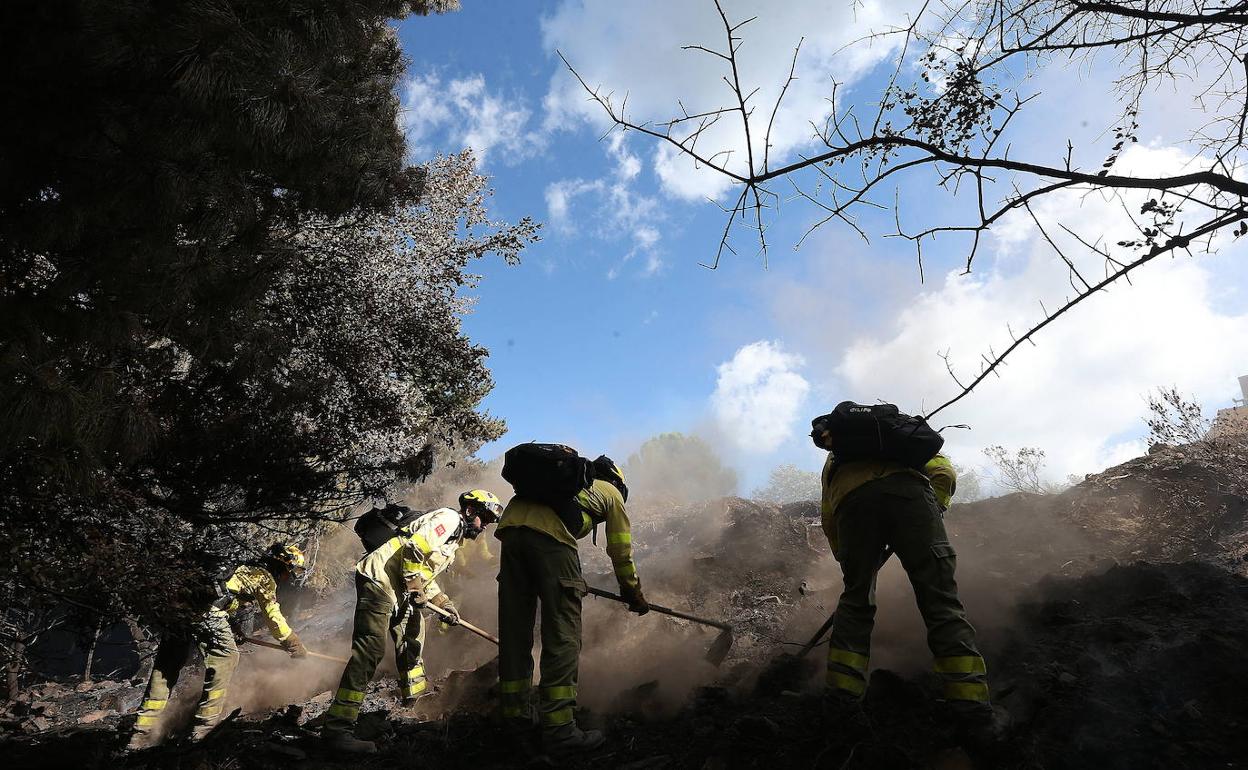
{"points": [[412, 682], [966, 677], [514, 695], [346, 705], [557, 705], [847, 671]]}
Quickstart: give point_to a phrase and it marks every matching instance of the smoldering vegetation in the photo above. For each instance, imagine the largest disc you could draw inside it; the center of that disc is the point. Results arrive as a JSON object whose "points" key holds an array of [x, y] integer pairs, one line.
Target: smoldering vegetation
{"points": [[1088, 646]]}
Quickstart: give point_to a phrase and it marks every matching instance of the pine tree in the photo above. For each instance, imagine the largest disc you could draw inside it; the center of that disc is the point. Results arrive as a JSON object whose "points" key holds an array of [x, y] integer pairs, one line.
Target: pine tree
{"points": [[226, 298]]}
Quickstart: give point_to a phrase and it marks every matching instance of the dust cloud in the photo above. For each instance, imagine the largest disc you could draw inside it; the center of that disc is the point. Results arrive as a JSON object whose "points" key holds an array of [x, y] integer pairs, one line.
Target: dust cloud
{"points": [[766, 569]]}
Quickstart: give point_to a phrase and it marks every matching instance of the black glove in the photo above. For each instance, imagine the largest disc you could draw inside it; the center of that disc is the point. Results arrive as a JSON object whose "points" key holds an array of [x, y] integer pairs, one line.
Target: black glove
{"points": [[444, 603], [636, 599]]}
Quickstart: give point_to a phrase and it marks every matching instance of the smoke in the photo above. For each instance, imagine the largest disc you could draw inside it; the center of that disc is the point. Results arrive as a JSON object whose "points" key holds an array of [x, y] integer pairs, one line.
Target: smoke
{"points": [[765, 569]]}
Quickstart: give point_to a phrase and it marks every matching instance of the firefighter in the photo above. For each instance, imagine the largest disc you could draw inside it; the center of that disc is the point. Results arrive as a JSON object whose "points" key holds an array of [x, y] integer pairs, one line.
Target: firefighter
{"points": [[393, 584], [868, 507], [540, 565], [253, 583]]}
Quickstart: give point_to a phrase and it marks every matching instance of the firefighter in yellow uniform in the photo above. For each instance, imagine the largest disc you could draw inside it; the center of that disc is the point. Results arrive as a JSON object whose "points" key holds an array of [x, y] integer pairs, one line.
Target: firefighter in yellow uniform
{"points": [[393, 583], [540, 565], [869, 506], [213, 635]]}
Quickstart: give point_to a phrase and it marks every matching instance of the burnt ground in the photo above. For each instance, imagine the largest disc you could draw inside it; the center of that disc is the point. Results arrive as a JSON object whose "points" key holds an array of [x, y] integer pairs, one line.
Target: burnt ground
{"points": [[1114, 620]]}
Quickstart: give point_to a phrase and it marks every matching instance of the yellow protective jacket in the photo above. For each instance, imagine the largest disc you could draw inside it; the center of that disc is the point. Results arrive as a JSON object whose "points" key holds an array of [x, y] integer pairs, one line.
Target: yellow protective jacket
{"points": [[252, 584], [601, 502], [938, 473], [410, 561]]}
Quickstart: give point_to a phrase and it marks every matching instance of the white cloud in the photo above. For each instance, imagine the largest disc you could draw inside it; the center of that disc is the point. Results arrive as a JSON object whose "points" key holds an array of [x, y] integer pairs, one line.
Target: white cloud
{"points": [[757, 396], [618, 211], [635, 49], [463, 112], [1079, 394]]}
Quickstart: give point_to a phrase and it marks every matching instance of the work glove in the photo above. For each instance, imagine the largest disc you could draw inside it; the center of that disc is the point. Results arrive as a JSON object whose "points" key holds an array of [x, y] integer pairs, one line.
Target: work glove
{"points": [[294, 647], [636, 599], [444, 603]]}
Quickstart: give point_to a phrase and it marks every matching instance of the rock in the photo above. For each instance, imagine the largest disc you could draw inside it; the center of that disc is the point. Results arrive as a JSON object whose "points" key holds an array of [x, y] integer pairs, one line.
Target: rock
{"points": [[649, 763], [756, 727], [285, 751], [91, 717], [85, 687], [39, 723], [1067, 678]]}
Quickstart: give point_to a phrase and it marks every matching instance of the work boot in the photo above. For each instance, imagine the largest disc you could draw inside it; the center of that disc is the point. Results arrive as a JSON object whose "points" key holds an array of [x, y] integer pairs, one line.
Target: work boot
{"points": [[983, 728], [522, 736], [201, 731], [844, 712], [341, 740], [569, 739], [140, 740]]}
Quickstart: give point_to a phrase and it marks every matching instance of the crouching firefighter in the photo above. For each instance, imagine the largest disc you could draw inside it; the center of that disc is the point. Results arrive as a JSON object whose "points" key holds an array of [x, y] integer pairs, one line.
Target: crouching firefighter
{"points": [[249, 584], [885, 488], [393, 583], [540, 566]]}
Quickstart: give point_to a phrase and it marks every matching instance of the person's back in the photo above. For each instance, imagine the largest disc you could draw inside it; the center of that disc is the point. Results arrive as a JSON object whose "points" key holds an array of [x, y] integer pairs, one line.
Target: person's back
{"points": [[540, 567], [874, 508]]}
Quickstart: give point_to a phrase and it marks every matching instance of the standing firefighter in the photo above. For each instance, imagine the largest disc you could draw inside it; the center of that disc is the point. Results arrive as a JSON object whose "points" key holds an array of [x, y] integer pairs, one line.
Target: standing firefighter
{"points": [[212, 634], [540, 564], [392, 584], [885, 487]]}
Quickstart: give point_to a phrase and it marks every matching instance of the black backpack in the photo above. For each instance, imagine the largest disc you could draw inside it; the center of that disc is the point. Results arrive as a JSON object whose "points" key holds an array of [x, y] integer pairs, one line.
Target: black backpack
{"points": [[551, 474], [876, 432], [377, 526]]}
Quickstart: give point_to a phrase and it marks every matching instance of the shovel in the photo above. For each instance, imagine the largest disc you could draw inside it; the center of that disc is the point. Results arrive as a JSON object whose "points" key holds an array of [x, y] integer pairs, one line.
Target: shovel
{"points": [[719, 648], [272, 646], [449, 618]]}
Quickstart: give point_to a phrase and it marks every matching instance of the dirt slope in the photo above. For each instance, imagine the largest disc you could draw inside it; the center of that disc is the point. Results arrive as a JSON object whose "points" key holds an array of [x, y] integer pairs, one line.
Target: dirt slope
{"points": [[1103, 660]]}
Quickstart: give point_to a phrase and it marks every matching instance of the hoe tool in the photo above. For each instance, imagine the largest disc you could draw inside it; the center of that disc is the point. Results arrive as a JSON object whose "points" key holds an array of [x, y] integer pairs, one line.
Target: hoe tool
{"points": [[448, 617], [272, 646], [718, 649]]}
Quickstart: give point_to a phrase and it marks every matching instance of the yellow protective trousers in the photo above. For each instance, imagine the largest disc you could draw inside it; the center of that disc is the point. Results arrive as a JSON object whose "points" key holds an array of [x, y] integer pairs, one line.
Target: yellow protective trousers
{"points": [[375, 613], [214, 638], [537, 570], [900, 511]]}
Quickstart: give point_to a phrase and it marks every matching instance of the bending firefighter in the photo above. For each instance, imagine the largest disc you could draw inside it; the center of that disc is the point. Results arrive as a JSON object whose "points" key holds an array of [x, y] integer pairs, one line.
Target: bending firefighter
{"points": [[393, 583], [540, 565], [869, 508], [212, 634]]}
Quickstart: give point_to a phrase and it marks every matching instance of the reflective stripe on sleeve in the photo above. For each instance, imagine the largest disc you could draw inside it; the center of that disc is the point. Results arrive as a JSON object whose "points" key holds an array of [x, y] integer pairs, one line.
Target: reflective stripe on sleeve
{"points": [[619, 538], [349, 696]]}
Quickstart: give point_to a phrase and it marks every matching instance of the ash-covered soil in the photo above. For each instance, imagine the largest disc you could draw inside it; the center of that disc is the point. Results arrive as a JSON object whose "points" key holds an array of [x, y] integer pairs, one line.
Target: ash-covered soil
{"points": [[1114, 618]]}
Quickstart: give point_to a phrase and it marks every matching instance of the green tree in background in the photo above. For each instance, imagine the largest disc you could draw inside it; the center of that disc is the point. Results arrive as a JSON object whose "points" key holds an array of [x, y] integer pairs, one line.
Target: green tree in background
{"points": [[676, 469], [789, 484], [228, 303]]}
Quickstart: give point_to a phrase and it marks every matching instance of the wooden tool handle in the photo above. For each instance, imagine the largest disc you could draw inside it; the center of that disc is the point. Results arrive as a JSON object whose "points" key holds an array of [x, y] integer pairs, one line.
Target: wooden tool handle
{"points": [[447, 616], [663, 610], [272, 646]]}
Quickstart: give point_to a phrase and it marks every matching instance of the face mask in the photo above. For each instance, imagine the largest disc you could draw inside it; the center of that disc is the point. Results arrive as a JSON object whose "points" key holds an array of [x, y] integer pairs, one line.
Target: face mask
{"points": [[473, 527]]}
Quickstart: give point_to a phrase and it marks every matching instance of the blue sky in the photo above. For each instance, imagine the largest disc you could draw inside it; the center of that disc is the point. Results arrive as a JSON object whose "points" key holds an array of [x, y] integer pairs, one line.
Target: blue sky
{"points": [[610, 331]]}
